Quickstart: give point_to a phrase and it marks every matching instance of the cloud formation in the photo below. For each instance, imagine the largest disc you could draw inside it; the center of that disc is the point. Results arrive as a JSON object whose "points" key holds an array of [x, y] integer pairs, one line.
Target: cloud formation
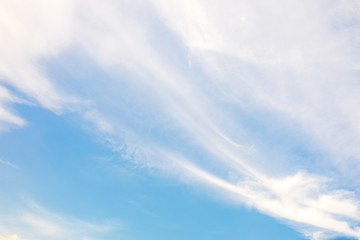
{"points": [[35, 222], [257, 100]]}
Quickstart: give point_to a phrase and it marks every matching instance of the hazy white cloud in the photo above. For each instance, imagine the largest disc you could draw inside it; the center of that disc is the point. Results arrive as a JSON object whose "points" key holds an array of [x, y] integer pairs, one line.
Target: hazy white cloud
{"points": [[12, 237], [31, 33], [7, 163], [6, 115], [35, 222], [299, 198], [198, 70]]}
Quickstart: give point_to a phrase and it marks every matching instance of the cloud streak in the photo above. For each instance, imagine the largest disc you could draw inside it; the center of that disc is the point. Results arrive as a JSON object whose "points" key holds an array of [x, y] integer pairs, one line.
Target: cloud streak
{"points": [[35, 222], [7, 163]]}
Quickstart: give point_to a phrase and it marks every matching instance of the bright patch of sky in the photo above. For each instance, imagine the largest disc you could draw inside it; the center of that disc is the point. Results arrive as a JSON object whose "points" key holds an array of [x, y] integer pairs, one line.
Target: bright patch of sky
{"points": [[179, 119]]}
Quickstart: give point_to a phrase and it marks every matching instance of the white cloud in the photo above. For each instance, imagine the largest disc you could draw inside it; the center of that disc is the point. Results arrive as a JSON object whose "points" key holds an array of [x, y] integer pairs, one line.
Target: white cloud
{"points": [[6, 115], [35, 222], [31, 33], [300, 198], [297, 61], [42, 226], [7, 163]]}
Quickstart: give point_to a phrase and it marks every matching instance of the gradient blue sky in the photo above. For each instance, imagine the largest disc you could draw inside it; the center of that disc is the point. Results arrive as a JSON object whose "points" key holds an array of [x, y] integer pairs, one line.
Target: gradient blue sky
{"points": [[179, 119]]}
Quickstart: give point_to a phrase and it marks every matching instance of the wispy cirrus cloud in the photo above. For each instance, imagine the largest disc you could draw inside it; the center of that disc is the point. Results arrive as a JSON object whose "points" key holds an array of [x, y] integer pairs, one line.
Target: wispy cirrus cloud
{"points": [[6, 115], [201, 88], [7, 163], [35, 222]]}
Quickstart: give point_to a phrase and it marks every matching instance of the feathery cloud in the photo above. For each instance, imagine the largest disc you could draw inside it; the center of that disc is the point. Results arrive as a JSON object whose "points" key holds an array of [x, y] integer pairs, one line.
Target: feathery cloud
{"points": [[242, 84]]}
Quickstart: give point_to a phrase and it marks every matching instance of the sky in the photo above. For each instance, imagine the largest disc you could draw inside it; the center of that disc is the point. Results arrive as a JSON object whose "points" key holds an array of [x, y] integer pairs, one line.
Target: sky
{"points": [[180, 119]]}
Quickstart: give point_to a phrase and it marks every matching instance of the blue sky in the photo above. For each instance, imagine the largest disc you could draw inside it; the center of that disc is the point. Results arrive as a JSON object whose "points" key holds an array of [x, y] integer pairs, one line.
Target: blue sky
{"points": [[179, 120]]}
